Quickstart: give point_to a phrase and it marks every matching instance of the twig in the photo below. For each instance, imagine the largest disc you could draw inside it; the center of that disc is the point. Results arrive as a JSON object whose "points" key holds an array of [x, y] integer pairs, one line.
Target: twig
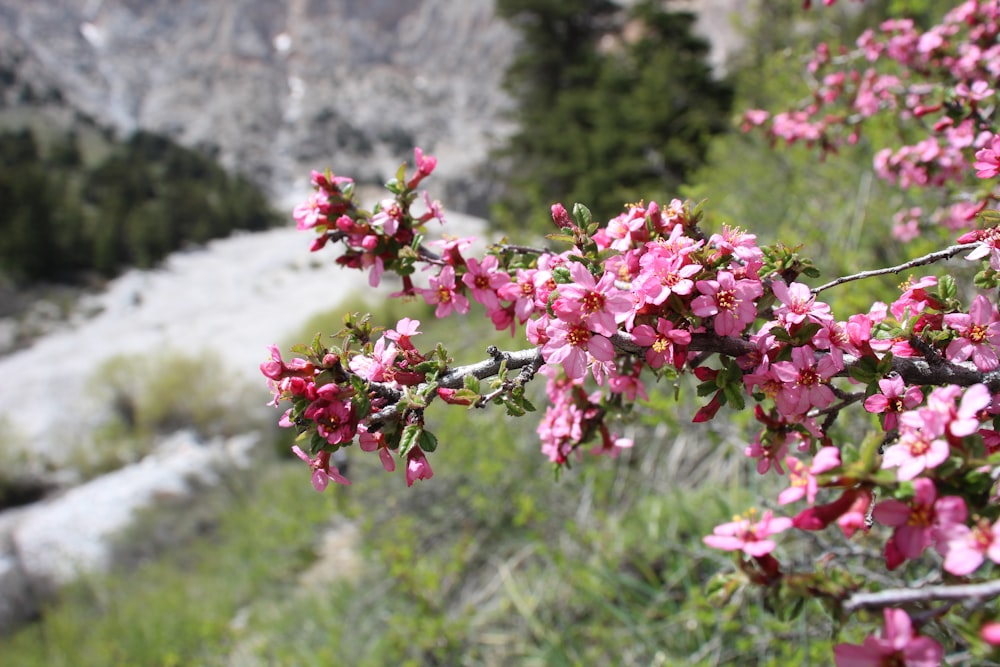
{"points": [[938, 256], [899, 596]]}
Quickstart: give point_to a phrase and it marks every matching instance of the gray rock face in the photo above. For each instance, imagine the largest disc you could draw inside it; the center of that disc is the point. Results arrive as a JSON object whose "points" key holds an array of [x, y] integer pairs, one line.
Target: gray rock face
{"points": [[277, 87]]}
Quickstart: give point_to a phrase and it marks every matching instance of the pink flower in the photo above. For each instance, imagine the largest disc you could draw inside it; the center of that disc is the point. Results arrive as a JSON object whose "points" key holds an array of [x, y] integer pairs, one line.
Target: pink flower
{"points": [[804, 381], [730, 301], [734, 241], [748, 536], [803, 479], [968, 547], [768, 453], [484, 279], [405, 329], [417, 466], [313, 212], [425, 165], [323, 472], [443, 292], [895, 398], [569, 344], [990, 633], [979, 332], [965, 420], [373, 368], [989, 246], [914, 299], [987, 162], [596, 304], [899, 645], [660, 343], [798, 305], [914, 522], [375, 441], [920, 445], [663, 274], [335, 419], [523, 291]]}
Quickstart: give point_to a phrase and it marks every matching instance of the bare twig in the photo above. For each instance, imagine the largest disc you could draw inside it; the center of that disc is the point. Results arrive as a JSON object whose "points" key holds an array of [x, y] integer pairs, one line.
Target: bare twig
{"points": [[986, 590], [933, 257]]}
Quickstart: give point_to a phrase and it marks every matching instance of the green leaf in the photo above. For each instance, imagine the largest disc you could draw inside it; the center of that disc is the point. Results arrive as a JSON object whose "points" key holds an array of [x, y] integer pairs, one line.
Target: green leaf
{"points": [[866, 371], [409, 438], [471, 383], [582, 215], [426, 367], [428, 441], [947, 287], [734, 396], [706, 388], [990, 216]]}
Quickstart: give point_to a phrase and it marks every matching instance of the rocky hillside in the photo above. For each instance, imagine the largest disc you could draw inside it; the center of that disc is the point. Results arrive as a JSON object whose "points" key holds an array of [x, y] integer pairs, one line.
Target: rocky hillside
{"points": [[274, 87], [278, 87]]}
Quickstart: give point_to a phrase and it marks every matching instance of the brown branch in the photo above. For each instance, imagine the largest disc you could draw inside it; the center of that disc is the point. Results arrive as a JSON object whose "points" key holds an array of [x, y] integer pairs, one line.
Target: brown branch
{"points": [[914, 371]]}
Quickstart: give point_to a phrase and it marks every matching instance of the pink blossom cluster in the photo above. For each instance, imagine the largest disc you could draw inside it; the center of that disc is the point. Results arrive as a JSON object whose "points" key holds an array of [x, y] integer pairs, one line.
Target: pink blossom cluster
{"points": [[323, 395], [939, 84], [649, 295]]}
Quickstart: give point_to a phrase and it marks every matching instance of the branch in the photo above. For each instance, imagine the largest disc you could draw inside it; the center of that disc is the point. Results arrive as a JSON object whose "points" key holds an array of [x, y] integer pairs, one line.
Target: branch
{"points": [[899, 596], [918, 372], [933, 257], [455, 378]]}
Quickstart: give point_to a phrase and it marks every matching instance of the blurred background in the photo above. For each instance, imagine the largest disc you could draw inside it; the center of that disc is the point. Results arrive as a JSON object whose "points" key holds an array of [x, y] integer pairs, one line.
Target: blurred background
{"points": [[150, 153]]}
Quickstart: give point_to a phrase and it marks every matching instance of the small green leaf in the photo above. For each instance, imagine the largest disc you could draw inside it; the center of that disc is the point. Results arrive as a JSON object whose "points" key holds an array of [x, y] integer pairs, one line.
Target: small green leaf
{"points": [[582, 215], [990, 216], [734, 396], [409, 438], [471, 383], [428, 441], [947, 288]]}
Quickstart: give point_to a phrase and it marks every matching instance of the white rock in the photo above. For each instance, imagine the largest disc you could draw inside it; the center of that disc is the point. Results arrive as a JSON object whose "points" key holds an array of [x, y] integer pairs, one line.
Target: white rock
{"points": [[60, 539]]}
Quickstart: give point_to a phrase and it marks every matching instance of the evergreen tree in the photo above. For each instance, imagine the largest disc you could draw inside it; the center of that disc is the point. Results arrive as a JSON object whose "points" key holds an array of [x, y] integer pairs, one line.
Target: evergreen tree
{"points": [[613, 104]]}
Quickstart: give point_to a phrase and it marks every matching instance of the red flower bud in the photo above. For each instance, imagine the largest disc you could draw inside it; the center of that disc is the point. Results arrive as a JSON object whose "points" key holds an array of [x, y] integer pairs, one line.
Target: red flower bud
{"points": [[448, 396]]}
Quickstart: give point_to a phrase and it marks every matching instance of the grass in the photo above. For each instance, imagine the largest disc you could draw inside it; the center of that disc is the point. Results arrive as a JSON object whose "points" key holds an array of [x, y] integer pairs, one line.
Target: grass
{"points": [[143, 397]]}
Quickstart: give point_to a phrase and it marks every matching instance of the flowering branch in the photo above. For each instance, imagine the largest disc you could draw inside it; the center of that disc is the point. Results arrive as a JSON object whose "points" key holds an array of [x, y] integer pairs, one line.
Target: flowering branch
{"points": [[650, 295]]}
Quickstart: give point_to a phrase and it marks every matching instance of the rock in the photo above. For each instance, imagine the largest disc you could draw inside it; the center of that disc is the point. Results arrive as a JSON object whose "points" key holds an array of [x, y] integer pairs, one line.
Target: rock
{"points": [[53, 542], [276, 88], [17, 601]]}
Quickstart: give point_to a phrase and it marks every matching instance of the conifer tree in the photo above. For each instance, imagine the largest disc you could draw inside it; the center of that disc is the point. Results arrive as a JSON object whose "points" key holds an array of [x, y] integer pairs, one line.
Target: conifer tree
{"points": [[611, 102]]}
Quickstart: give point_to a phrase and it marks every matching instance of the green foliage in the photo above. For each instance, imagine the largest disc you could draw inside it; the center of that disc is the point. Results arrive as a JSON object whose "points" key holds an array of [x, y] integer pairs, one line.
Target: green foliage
{"points": [[832, 207], [141, 397], [179, 608], [614, 105], [62, 215]]}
